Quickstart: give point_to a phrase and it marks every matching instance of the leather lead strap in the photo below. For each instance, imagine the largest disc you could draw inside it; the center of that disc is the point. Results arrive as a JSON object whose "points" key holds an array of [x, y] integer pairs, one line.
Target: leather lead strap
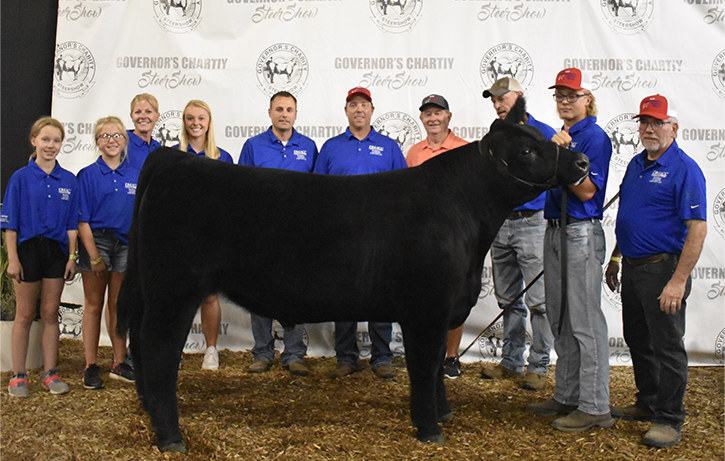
{"points": [[563, 258]]}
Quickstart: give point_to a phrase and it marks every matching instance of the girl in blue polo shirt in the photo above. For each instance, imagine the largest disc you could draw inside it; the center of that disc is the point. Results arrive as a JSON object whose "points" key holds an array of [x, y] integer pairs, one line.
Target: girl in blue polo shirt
{"points": [[40, 219], [197, 137], [107, 192]]}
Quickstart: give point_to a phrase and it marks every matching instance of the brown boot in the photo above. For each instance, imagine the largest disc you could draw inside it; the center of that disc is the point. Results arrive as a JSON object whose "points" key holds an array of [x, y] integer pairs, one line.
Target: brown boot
{"points": [[500, 372], [579, 421]]}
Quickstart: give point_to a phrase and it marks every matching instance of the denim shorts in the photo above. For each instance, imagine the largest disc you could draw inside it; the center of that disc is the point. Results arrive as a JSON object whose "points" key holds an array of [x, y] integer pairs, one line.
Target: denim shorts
{"points": [[42, 258], [113, 251]]}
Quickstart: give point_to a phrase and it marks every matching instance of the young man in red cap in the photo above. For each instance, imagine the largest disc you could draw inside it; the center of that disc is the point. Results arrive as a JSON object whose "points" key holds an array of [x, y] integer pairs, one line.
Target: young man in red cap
{"points": [[360, 150], [435, 115], [661, 227], [574, 308]]}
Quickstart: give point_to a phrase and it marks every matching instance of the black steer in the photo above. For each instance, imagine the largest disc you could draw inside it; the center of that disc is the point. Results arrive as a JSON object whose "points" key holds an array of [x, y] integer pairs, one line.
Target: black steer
{"points": [[405, 246]]}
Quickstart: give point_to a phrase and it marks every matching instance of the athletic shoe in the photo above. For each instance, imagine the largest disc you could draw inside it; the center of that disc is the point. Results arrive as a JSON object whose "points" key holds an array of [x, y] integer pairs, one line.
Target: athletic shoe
{"points": [[122, 372], [451, 368], [211, 359], [92, 377], [18, 386], [54, 384]]}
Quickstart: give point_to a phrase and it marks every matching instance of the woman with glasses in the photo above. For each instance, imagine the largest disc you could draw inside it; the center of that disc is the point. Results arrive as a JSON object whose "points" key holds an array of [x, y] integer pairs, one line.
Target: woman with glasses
{"points": [[197, 137], [108, 190]]}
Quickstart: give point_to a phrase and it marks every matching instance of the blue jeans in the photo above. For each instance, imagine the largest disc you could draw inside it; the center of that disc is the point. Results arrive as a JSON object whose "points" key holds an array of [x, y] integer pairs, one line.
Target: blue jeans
{"points": [[346, 349], [582, 348], [655, 341], [517, 256], [294, 345]]}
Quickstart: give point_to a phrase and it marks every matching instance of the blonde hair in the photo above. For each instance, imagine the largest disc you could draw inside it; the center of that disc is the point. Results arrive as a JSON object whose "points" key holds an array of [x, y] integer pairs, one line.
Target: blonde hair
{"points": [[42, 123], [115, 121], [151, 99], [210, 148], [592, 110]]}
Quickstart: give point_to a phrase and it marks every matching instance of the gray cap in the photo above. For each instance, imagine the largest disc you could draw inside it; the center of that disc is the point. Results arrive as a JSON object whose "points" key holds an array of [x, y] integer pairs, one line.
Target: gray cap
{"points": [[503, 86], [434, 100]]}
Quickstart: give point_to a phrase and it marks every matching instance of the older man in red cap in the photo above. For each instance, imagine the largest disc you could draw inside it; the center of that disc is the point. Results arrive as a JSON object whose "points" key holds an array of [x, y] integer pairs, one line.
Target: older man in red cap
{"points": [[360, 150], [661, 227]]}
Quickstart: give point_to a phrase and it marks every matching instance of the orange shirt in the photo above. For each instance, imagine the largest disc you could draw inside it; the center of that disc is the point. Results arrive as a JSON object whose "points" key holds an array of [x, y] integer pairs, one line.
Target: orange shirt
{"points": [[422, 151]]}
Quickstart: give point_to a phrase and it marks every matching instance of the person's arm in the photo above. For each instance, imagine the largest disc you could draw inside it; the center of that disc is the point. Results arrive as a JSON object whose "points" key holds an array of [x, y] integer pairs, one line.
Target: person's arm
{"points": [[612, 272], [674, 291], [70, 266], [15, 269], [98, 266], [586, 189]]}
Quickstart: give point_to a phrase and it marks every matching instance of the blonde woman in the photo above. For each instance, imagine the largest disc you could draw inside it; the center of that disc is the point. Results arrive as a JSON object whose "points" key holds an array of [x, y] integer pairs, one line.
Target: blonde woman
{"points": [[40, 219], [108, 189], [144, 114], [197, 137]]}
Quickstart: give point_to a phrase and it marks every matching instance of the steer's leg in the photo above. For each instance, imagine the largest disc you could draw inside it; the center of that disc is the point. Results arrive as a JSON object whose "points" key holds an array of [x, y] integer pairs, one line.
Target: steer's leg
{"points": [[424, 349]]}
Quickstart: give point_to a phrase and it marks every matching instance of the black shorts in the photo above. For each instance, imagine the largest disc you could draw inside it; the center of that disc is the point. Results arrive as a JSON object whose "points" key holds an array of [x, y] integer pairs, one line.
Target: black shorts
{"points": [[42, 258]]}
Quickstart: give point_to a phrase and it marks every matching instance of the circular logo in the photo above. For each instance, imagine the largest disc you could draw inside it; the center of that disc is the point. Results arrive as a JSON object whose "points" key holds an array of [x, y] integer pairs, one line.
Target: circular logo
{"points": [[717, 73], [282, 67], [614, 298], [168, 129], [718, 212], [720, 348], [395, 16], [490, 343], [278, 335], [628, 17], [71, 322], [177, 16], [73, 70], [507, 60], [400, 127], [623, 130]]}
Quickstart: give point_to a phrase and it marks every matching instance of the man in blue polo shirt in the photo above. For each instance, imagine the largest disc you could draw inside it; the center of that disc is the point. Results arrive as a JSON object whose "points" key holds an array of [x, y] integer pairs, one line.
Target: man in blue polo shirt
{"points": [[661, 227], [581, 343], [517, 257], [284, 148], [360, 150]]}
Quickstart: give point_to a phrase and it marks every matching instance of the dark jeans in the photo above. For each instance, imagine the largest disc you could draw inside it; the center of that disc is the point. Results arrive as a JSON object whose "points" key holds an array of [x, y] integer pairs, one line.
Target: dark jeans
{"points": [[346, 348], [655, 341]]}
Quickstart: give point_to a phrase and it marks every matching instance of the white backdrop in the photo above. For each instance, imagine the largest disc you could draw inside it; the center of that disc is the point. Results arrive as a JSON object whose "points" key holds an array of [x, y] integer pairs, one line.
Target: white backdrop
{"points": [[235, 53]]}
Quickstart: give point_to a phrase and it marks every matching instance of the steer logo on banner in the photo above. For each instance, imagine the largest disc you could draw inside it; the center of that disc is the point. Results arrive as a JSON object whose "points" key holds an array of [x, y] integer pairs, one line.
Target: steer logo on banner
{"points": [[628, 17], [720, 348], [400, 127], [73, 70], [282, 67], [490, 343], [718, 74], [168, 129], [718, 213], [614, 298], [507, 60], [396, 16], [623, 130], [177, 16]]}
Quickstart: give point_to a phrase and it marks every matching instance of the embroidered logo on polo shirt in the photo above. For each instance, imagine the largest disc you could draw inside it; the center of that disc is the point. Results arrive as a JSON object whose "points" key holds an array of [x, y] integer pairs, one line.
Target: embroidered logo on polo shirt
{"points": [[300, 154], [658, 176], [376, 150], [64, 193], [130, 188]]}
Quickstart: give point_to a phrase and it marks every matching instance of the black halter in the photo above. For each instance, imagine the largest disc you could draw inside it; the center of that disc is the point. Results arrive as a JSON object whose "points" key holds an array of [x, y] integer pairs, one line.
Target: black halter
{"points": [[551, 182]]}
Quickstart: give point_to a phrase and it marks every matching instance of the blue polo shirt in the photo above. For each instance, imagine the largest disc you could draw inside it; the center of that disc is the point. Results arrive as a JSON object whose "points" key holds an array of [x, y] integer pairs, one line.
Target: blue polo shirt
{"points": [[38, 204], [223, 155], [107, 196], [655, 202], [346, 155], [548, 132], [590, 139], [138, 149], [267, 151]]}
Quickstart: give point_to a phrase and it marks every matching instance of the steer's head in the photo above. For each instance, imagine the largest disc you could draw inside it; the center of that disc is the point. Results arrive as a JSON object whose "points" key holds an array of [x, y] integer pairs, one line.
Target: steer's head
{"points": [[532, 163]]}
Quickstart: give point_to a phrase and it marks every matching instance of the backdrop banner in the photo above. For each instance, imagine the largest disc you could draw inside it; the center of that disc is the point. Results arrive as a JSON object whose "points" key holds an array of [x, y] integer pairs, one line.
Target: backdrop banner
{"points": [[234, 54]]}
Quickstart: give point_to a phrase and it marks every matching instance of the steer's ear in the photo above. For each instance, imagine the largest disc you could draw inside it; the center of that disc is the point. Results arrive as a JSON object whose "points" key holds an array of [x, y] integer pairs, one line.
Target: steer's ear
{"points": [[517, 114]]}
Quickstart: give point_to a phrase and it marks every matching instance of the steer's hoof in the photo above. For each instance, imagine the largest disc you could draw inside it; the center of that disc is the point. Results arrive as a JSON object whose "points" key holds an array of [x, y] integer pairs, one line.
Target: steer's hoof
{"points": [[437, 438], [445, 418], [177, 447]]}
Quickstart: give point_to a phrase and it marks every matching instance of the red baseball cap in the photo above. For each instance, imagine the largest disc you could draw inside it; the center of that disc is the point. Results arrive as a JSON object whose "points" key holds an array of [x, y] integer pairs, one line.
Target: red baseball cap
{"points": [[361, 91], [571, 78], [656, 106]]}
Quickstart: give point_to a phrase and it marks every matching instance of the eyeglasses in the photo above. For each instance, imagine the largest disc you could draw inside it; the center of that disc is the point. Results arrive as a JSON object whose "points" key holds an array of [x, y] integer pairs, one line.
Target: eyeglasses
{"points": [[655, 124], [571, 98], [107, 137]]}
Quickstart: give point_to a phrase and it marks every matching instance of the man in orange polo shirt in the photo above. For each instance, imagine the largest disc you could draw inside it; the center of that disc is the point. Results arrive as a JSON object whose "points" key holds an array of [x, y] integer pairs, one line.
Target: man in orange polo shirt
{"points": [[435, 116]]}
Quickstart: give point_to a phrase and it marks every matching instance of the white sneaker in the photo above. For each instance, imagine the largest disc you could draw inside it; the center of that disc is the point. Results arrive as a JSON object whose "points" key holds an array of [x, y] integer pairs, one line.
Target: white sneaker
{"points": [[211, 359]]}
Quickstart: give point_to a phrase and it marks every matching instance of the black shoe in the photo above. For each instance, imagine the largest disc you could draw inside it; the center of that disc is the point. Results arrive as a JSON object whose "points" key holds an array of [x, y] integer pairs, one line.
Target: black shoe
{"points": [[92, 377], [122, 372], [451, 368]]}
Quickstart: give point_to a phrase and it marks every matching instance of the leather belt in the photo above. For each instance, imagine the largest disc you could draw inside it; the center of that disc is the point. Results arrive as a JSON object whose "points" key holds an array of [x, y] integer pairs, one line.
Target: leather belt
{"points": [[650, 259], [522, 214], [569, 220]]}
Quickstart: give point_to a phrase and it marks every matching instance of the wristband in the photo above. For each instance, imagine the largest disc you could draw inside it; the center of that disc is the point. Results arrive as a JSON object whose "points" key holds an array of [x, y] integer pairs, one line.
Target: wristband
{"points": [[73, 257], [97, 261], [616, 259]]}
